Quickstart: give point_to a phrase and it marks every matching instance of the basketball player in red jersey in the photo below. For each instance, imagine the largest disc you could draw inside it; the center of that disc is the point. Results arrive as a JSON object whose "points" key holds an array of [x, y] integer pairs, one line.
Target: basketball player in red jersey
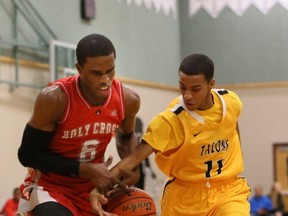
{"points": [[72, 123]]}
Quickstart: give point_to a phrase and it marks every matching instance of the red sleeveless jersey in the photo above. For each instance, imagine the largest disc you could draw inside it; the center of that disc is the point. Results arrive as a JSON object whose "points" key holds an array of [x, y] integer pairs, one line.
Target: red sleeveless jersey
{"points": [[84, 131]]}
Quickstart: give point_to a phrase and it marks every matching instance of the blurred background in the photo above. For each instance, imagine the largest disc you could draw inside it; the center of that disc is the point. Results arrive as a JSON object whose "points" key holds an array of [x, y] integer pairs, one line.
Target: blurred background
{"points": [[246, 39]]}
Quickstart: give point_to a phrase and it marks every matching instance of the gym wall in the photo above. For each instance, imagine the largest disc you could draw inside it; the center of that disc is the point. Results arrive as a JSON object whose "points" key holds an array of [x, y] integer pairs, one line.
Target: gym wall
{"points": [[248, 51]]}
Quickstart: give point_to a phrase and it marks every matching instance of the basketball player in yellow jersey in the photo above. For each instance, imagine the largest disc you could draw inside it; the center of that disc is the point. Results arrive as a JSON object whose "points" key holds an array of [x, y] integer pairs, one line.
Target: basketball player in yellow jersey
{"points": [[197, 145]]}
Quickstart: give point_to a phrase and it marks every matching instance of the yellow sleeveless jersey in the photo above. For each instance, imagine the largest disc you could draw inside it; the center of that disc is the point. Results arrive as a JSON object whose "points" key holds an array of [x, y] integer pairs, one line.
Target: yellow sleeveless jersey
{"points": [[197, 146]]}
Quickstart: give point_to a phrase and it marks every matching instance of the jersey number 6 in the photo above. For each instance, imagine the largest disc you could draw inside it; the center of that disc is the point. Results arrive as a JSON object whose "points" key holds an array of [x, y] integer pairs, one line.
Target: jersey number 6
{"points": [[88, 151]]}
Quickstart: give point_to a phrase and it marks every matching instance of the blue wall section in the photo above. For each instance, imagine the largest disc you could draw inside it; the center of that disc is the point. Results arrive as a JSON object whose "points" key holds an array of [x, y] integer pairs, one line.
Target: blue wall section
{"points": [[147, 42], [150, 45], [247, 49]]}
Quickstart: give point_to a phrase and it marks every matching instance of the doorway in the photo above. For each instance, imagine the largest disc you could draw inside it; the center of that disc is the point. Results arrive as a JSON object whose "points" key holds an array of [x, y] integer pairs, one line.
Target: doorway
{"points": [[280, 158]]}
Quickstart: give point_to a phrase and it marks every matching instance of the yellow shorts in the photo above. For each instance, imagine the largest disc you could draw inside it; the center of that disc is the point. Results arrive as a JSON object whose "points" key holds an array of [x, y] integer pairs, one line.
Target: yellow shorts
{"points": [[226, 198]]}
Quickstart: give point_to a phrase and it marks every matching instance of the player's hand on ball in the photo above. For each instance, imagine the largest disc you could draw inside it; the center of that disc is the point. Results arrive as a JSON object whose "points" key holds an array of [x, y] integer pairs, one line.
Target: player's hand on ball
{"points": [[130, 177], [99, 175], [96, 201]]}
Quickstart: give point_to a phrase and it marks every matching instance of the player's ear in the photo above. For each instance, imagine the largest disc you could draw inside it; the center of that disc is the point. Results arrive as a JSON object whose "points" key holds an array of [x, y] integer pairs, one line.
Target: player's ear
{"points": [[211, 83], [79, 68]]}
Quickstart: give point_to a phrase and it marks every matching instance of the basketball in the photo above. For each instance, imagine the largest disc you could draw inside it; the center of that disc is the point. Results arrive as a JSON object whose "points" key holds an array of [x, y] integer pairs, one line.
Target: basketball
{"points": [[135, 202]]}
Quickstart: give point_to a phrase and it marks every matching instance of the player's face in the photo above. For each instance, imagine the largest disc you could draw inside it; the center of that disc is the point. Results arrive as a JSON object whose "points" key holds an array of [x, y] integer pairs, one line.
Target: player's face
{"points": [[16, 195], [196, 91], [96, 77]]}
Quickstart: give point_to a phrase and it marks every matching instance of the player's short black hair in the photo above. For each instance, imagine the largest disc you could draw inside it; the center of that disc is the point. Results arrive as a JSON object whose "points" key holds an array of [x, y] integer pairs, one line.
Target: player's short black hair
{"points": [[197, 64], [93, 45], [15, 190]]}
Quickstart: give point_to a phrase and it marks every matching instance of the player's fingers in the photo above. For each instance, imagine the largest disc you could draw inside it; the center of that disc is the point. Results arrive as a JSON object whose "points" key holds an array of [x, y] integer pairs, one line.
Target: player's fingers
{"points": [[97, 208], [108, 214], [111, 192], [130, 177], [96, 200], [121, 185], [116, 192]]}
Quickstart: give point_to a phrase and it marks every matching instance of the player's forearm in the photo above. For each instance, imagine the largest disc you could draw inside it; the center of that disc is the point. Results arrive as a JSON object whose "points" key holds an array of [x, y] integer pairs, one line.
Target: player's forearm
{"points": [[34, 153], [48, 162], [127, 164]]}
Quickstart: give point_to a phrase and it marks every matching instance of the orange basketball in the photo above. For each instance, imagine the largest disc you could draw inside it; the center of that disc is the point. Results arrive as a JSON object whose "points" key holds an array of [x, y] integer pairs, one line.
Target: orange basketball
{"points": [[135, 202]]}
